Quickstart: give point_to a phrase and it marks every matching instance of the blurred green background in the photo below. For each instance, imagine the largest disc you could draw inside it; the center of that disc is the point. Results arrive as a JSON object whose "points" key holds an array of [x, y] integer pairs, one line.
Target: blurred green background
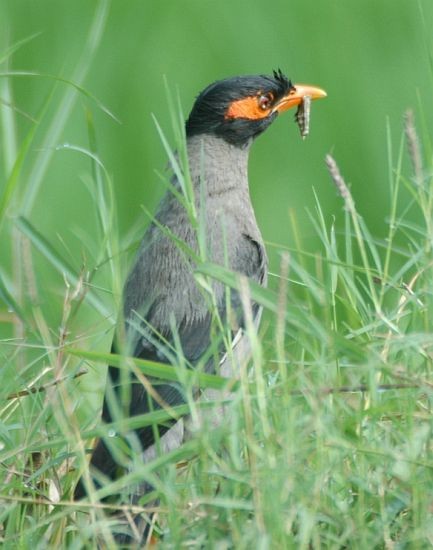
{"points": [[372, 57]]}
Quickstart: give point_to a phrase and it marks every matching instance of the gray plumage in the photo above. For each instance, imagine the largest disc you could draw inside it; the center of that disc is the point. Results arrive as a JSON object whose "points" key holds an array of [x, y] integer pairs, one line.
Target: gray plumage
{"points": [[162, 278], [162, 289]]}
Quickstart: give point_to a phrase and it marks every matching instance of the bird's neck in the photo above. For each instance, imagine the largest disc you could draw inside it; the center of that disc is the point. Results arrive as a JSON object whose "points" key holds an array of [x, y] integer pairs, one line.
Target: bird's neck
{"points": [[222, 167]]}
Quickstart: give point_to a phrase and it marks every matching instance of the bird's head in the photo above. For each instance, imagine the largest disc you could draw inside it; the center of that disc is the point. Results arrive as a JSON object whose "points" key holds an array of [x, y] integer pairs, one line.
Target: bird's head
{"points": [[238, 109]]}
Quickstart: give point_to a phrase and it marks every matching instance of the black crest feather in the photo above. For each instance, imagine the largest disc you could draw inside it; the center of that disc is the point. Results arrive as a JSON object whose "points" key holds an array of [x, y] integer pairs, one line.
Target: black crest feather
{"points": [[282, 80]]}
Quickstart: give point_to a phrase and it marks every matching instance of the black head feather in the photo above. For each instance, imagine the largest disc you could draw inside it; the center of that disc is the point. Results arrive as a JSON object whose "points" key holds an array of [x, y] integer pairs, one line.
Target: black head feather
{"points": [[284, 82], [208, 115]]}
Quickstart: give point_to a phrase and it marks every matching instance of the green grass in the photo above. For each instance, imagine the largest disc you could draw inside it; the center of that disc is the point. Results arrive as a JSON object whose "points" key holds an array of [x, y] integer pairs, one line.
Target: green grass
{"points": [[327, 441]]}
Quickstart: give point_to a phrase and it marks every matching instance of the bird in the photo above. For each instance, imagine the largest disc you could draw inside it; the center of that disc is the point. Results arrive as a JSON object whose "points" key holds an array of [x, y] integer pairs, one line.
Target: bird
{"points": [[164, 307]]}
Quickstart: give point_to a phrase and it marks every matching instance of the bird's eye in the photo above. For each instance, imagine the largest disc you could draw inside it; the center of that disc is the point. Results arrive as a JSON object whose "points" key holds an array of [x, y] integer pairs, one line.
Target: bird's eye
{"points": [[265, 101]]}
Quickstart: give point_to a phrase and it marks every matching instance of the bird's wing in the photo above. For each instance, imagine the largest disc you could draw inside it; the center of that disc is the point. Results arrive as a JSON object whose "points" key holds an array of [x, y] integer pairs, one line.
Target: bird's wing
{"points": [[194, 338]]}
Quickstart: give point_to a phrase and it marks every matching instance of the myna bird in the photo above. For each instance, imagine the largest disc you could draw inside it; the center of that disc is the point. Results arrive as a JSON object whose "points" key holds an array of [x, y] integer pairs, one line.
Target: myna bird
{"points": [[164, 306]]}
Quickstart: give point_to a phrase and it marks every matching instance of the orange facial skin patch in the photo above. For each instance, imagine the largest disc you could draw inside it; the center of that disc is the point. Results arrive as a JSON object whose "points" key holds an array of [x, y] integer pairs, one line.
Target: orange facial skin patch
{"points": [[248, 108]]}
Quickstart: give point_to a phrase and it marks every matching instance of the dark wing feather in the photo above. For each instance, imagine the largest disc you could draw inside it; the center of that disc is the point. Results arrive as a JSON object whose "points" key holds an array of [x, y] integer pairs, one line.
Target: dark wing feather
{"points": [[195, 339]]}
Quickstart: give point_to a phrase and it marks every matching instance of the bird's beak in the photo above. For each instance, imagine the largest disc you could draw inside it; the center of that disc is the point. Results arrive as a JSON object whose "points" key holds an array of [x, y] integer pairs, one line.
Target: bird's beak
{"points": [[296, 95]]}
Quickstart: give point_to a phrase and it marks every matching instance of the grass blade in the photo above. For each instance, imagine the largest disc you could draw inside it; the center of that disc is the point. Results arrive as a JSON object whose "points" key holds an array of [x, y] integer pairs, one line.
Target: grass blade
{"points": [[156, 370], [60, 264]]}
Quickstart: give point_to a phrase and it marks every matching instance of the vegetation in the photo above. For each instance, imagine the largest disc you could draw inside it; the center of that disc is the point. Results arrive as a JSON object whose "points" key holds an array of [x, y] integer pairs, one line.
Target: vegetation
{"points": [[327, 440]]}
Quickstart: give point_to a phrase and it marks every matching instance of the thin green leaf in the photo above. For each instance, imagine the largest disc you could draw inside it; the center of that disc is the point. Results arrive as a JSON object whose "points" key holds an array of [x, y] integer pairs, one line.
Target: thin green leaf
{"points": [[83, 91], [10, 302], [61, 115], [62, 266], [16, 46], [156, 370], [13, 179]]}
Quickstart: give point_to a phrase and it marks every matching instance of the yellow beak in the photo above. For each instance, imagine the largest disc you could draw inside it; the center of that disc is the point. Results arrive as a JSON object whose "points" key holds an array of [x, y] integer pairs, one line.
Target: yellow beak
{"points": [[296, 95]]}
